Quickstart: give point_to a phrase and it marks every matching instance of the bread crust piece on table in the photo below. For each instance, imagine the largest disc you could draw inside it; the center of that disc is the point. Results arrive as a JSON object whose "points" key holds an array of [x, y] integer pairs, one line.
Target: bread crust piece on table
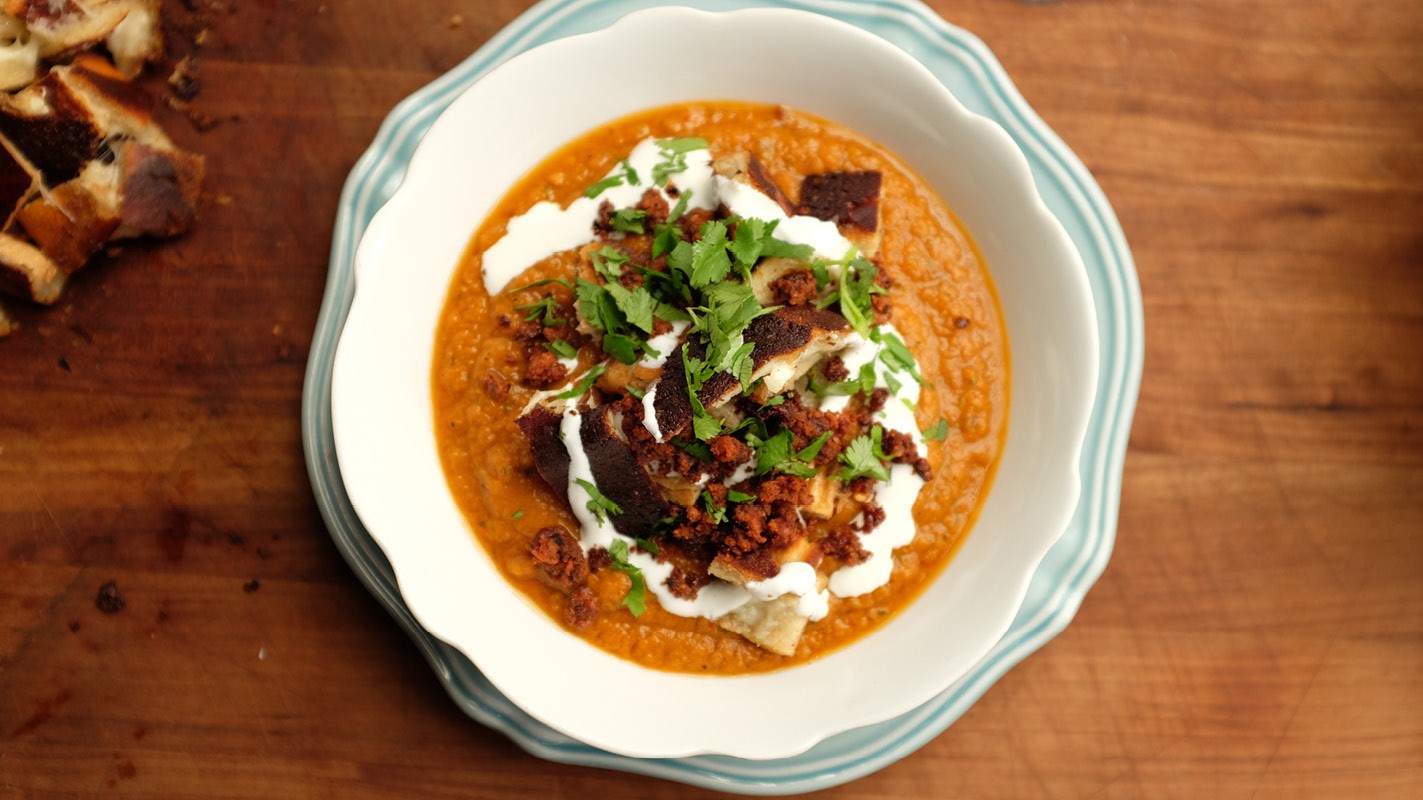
{"points": [[82, 163]]}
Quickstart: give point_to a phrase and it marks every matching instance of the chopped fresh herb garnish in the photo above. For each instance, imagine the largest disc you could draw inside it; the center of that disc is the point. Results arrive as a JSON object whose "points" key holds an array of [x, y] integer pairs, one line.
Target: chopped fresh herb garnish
{"points": [[628, 175], [754, 242], [537, 284], [821, 273], [774, 401], [629, 220], [698, 372], [686, 144], [776, 453], [543, 310], [716, 512], [636, 305], [622, 347], [810, 451], [609, 262], [517, 514], [938, 430], [598, 503], [681, 207], [857, 286], [635, 600], [562, 349], [864, 383], [647, 544], [603, 185], [674, 157], [710, 263], [896, 355], [893, 383], [864, 457], [635, 392], [733, 496], [584, 383], [695, 449]]}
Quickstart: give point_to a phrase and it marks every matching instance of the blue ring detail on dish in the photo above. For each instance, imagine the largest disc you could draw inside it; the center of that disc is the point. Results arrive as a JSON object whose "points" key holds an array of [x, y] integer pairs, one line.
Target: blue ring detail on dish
{"points": [[963, 64]]}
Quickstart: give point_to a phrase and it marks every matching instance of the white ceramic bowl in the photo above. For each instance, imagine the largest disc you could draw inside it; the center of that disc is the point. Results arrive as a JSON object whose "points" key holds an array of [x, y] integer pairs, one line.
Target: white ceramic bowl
{"points": [[505, 125]]}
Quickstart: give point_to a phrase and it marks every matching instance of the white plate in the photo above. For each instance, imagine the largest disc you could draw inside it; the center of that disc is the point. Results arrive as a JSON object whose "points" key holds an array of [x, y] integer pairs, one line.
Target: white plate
{"points": [[502, 127]]}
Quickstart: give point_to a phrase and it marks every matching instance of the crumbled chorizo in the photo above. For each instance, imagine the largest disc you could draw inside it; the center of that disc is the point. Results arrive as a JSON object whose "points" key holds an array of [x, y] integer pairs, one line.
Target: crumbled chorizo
{"points": [[581, 609], [795, 288], [835, 369], [544, 370], [880, 303], [495, 385], [901, 448], [844, 544], [792, 489], [599, 559], [873, 514], [559, 555], [655, 205], [686, 585], [729, 450]]}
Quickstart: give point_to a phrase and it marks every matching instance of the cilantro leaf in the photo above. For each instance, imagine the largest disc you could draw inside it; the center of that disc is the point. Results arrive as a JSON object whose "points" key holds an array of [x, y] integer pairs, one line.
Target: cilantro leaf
{"points": [[536, 284], [716, 512], [603, 185], [628, 220], [635, 392], [636, 600], [517, 514], [710, 262], [598, 503], [863, 457], [609, 262], [685, 144], [622, 347], [636, 305], [562, 349], [544, 309], [695, 449], [810, 451], [776, 453], [938, 431], [681, 207], [896, 355], [583, 385], [733, 496], [857, 285]]}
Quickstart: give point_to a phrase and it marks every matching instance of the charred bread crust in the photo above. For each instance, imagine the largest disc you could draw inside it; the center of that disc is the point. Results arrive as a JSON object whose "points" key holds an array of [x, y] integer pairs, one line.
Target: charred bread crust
{"points": [[618, 475], [748, 169], [849, 199], [68, 225], [787, 330], [541, 429], [672, 405], [157, 191], [51, 128]]}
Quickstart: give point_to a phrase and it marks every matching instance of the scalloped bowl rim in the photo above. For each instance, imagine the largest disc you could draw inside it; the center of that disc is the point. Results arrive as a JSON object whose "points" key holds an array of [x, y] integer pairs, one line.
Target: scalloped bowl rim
{"points": [[383, 425]]}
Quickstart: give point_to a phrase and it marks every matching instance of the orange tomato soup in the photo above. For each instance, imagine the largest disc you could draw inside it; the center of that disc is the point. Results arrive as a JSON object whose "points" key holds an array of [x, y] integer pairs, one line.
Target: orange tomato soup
{"points": [[945, 308]]}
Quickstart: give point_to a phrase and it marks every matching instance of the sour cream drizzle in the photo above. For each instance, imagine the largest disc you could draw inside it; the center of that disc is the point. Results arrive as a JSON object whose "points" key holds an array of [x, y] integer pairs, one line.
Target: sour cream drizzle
{"points": [[546, 228], [897, 495], [745, 200]]}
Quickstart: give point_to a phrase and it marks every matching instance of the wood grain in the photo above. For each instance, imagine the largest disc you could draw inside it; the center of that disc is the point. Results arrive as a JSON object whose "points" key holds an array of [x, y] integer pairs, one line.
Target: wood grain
{"points": [[1259, 631]]}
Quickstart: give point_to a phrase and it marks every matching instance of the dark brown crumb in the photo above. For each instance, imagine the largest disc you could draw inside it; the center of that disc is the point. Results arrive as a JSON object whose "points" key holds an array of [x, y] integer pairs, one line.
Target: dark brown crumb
{"points": [[495, 385], [656, 207], [795, 288], [74, 626], [581, 609], [844, 544], [599, 559], [686, 585], [961, 322], [109, 600], [835, 369], [874, 515], [729, 450], [559, 555], [545, 370], [251, 586]]}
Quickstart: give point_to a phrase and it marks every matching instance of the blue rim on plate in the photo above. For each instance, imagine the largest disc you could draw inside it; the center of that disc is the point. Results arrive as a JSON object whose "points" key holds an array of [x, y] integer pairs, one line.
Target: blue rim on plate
{"points": [[970, 71]]}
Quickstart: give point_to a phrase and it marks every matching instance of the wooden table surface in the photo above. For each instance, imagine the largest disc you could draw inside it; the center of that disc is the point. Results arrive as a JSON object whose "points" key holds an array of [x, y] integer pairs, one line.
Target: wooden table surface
{"points": [[1259, 631]]}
